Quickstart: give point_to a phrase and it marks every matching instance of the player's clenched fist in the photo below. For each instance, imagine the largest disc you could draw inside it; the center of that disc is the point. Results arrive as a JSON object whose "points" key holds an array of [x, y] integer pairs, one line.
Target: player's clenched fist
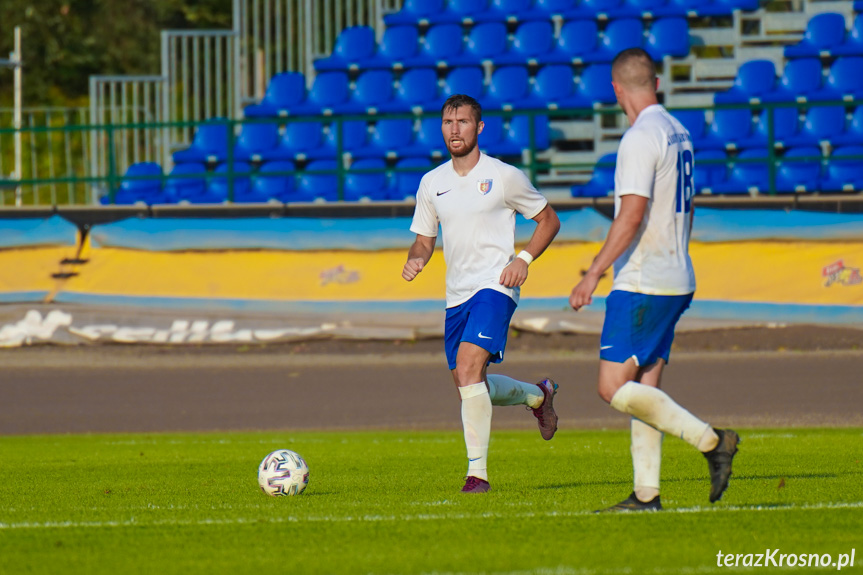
{"points": [[514, 274], [412, 268]]}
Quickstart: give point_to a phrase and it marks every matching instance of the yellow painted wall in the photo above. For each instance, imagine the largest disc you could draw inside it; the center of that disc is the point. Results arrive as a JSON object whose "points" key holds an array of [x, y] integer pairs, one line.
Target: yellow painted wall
{"points": [[782, 272]]}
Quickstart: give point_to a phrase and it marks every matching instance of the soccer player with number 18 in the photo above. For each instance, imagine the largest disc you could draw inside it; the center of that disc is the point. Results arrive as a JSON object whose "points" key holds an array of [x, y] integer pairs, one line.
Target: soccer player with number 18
{"points": [[648, 244]]}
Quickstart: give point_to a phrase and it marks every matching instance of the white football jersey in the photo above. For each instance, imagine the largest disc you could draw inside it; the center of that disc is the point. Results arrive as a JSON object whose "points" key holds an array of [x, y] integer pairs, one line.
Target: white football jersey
{"points": [[477, 216], [655, 160]]}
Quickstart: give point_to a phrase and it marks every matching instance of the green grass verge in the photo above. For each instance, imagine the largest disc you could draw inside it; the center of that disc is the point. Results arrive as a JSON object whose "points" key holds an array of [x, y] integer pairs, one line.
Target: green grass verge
{"points": [[388, 502]]}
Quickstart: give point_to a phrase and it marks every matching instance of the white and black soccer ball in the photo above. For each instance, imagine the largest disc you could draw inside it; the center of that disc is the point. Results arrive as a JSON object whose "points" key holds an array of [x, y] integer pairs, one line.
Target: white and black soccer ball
{"points": [[283, 472]]}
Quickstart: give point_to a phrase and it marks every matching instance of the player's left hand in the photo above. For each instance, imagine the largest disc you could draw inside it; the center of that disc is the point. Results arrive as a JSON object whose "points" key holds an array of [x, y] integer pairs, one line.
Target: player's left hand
{"points": [[514, 274]]}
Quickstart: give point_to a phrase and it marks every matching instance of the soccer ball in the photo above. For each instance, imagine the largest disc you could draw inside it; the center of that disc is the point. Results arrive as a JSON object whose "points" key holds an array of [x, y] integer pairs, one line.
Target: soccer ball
{"points": [[283, 472]]}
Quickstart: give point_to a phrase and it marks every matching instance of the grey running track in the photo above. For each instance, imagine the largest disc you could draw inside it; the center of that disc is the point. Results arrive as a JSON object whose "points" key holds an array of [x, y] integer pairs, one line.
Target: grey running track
{"points": [[110, 389]]}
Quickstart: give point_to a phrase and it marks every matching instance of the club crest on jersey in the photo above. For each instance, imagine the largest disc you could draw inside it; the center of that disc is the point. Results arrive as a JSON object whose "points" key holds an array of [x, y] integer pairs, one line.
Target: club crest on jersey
{"points": [[484, 186]]}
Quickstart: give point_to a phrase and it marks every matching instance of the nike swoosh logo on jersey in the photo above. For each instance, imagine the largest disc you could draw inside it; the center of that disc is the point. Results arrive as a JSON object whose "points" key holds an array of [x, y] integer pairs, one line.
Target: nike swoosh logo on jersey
{"points": [[446, 192], [483, 336], [606, 347]]}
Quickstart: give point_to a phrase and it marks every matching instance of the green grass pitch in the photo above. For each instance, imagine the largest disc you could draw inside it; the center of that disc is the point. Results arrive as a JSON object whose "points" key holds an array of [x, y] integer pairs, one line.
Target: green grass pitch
{"points": [[389, 503]]}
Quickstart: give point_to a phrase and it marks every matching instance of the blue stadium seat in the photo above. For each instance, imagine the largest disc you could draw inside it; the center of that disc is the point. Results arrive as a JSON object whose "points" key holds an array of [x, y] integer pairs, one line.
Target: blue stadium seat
{"points": [[853, 44], [823, 32], [726, 7], [329, 91], [841, 175], [755, 78], [820, 124], [318, 186], [387, 139], [255, 140], [517, 136], [507, 11], [646, 9], [414, 12], [785, 125], [599, 9], [668, 37], [373, 90], [553, 84], [354, 44], [354, 136], [853, 134], [209, 144], [459, 11], [858, 5], [531, 41], [416, 90], [549, 10], [799, 79], [747, 177], [399, 44], [285, 91], [463, 81], [492, 134], [361, 184], [298, 139], [268, 183], [428, 140], [708, 174], [485, 42], [618, 35], [688, 8], [134, 191], [798, 176], [406, 179], [594, 87], [601, 184], [510, 89], [186, 181], [696, 124], [576, 38], [728, 129], [217, 187], [843, 82], [440, 44]]}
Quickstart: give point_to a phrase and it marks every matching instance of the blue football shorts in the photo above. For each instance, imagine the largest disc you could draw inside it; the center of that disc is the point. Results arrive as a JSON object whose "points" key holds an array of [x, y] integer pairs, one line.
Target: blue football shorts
{"points": [[482, 320], [640, 326]]}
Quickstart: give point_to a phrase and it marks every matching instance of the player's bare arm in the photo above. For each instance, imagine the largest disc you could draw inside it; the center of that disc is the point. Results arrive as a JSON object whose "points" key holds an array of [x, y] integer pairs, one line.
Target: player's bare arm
{"points": [[419, 255], [547, 226], [620, 235]]}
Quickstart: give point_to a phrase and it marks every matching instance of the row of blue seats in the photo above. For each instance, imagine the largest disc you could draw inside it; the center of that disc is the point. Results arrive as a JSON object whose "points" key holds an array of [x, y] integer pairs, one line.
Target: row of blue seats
{"points": [[553, 86], [801, 171], [804, 80], [826, 36], [447, 45], [279, 181], [403, 138], [740, 129], [435, 11]]}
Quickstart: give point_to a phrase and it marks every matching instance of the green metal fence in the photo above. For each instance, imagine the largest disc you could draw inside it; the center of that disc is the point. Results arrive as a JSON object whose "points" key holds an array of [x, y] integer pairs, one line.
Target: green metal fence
{"points": [[57, 170]]}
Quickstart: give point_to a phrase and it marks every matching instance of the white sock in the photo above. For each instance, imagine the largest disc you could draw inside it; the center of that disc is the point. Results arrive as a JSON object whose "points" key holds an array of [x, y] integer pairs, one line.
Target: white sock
{"points": [[476, 419], [656, 408], [508, 391], [646, 451]]}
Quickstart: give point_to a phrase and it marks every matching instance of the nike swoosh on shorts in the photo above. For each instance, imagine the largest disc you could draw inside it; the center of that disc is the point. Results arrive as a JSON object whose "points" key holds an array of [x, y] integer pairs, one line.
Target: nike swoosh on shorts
{"points": [[606, 347], [484, 336]]}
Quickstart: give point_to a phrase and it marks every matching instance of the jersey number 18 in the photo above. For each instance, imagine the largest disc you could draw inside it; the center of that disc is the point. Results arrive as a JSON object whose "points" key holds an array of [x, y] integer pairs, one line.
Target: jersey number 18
{"points": [[685, 188]]}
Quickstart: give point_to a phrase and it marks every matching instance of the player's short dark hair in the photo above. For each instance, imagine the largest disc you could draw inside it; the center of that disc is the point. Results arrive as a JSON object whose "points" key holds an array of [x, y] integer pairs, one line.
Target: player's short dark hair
{"points": [[637, 56], [456, 101]]}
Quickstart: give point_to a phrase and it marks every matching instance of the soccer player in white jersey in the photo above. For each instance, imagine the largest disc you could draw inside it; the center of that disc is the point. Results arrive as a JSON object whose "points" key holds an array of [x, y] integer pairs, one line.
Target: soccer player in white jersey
{"points": [[654, 282], [475, 197]]}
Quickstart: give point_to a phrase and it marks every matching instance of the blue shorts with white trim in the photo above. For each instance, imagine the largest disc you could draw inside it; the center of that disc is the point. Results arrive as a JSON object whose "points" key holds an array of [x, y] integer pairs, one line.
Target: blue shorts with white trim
{"points": [[483, 320], [640, 326]]}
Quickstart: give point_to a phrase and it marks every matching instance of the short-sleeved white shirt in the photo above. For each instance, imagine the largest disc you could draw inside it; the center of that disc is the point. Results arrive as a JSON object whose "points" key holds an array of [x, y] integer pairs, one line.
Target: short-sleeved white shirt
{"points": [[477, 216], [655, 160]]}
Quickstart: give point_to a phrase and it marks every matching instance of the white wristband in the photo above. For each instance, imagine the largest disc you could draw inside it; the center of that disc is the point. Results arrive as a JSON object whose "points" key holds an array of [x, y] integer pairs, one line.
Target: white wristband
{"points": [[524, 255]]}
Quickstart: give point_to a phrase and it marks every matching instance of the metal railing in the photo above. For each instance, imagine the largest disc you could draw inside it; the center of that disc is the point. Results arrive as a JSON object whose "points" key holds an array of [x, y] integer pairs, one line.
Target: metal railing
{"points": [[43, 187]]}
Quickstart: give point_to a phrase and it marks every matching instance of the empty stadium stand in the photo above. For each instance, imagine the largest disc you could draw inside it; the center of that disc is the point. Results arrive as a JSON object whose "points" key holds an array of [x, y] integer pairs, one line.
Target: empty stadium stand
{"points": [[551, 58]]}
